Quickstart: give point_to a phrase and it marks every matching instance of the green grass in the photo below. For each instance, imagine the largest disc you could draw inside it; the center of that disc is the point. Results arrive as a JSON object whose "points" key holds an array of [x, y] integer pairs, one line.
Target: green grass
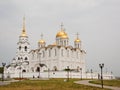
{"points": [[52, 84], [107, 82]]}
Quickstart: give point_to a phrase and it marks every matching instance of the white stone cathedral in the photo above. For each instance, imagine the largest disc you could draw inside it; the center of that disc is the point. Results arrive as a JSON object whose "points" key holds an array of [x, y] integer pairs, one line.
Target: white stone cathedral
{"points": [[51, 59]]}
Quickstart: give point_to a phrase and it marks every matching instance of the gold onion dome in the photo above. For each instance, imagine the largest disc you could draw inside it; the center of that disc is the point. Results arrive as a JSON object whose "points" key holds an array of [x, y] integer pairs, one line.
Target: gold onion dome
{"points": [[62, 34], [42, 41], [23, 33], [77, 40]]}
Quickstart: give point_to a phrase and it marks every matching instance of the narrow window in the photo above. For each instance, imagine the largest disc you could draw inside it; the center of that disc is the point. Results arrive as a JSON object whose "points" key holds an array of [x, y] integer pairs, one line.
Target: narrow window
{"points": [[26, 58], [18, 58], [25, 48], [19, 47]]}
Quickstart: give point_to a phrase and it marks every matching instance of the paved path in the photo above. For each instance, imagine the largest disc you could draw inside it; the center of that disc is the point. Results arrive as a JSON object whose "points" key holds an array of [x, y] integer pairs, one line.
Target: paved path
{"points": [[7, 82], [86, 82]]}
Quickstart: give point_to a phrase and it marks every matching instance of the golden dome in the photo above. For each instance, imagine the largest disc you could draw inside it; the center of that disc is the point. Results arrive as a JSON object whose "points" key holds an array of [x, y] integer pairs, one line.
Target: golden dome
{"points": [[23, 33], [62, 34], [41, 41], [77, 40]]}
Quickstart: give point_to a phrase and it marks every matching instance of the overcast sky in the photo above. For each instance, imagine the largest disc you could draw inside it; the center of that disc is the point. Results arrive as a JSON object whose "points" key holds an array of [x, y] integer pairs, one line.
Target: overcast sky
{"points": [[97, 21]]}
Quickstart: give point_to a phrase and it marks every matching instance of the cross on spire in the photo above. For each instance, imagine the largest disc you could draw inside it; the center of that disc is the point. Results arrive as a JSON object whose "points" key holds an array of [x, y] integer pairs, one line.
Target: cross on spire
{"points": [[61, 26], [77, 35], [41, 36]]}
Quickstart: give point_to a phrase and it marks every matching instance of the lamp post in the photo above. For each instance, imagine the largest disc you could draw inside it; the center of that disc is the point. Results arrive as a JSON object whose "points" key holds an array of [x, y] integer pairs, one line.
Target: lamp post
{"points": [[3, 64], [91, 74], [68, 69], [101, 67], [48, 73], [39, 63], [81, 73], [20, 73]]}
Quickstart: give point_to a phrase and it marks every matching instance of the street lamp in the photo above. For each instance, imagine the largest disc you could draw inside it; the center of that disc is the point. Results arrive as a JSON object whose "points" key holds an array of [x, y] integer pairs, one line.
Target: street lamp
{"points": [[3, 64], [39, 63], [101, 67], [48, 73], [20, 67], [91, 74], [68, 69], [81, 73]]}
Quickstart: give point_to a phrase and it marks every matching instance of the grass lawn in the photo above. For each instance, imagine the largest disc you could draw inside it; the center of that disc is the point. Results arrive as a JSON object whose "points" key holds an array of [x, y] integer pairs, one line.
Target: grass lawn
{"points": [[107, 82], [52, 84]]}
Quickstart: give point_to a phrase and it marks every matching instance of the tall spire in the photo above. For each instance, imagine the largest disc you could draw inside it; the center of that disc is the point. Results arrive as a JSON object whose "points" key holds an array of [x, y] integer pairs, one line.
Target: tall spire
{"points": [[23, 30]]}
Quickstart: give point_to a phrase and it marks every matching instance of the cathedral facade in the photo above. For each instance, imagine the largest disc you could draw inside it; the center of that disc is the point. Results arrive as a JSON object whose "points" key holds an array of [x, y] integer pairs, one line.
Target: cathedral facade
{"points": [[54, 57]]}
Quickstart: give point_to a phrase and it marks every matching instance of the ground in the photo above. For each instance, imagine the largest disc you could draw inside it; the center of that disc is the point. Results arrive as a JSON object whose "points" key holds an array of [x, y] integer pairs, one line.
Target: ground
{"points": [[52, 84]]}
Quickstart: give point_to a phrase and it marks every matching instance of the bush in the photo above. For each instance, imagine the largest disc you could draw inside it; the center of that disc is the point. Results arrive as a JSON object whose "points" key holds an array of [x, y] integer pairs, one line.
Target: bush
{"points": [[1, 69]]}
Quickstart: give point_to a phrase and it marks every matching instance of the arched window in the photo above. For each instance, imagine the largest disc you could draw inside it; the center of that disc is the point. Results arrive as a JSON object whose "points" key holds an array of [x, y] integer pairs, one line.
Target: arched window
{"points": [[18, 58], [26, 58], [19, 47], [25, 48], [54, 68], [38, 69], [23, 70], [64, 42]]}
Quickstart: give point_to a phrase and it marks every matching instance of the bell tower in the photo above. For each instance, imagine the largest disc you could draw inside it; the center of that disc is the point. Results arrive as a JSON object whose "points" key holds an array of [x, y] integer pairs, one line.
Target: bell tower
{"points": [[23, 45]]}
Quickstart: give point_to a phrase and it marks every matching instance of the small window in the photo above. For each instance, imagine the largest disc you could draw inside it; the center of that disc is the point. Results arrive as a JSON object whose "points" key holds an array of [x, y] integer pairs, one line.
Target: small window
{"points": [[24, 71], [55, 68], [38, 69], [26, 58], [25, 48], [18, 58], [19, 47]]}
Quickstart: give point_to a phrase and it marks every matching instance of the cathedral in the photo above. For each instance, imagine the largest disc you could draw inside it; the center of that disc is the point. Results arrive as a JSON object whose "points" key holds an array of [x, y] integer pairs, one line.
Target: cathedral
{"points": [[52, 60], [54, 57]]}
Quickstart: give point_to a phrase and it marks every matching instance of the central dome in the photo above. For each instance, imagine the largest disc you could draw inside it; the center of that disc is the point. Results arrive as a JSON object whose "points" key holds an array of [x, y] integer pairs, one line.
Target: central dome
{"points": [[62, 34], [41, 41]]}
